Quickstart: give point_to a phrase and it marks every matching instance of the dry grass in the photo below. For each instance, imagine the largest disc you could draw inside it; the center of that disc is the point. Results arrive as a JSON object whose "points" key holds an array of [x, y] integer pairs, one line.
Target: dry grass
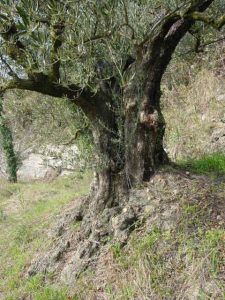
{"points": [[182, 261], [192, 111]]}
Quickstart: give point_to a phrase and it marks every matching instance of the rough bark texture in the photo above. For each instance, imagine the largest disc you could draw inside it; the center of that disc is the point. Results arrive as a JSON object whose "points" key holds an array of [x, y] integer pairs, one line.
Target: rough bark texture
{"points": [[144, 131]]}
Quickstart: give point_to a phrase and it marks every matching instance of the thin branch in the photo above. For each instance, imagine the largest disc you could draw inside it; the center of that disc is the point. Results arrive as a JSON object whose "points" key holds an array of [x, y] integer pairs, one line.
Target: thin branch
{"points": [[125, 12], [95, 27], [131, 28], [43, 21], [202, 46], [11, 72], [213, 42], [57, 32], [95, 38]]}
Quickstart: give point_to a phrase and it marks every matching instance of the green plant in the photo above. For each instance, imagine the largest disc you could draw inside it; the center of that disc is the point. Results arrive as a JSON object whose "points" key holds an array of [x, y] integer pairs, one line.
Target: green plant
{"points": [[214, 243], [2, 216], [148, 241], [23, 232], [209, 163], [7, 145], [117, 252]]}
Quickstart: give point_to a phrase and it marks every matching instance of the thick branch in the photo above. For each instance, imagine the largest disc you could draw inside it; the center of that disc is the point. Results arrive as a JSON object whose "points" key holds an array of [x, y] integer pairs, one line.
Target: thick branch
{"points": [[41, 83], [93, 105], [210, 20], [163, 45], [162, 27]]}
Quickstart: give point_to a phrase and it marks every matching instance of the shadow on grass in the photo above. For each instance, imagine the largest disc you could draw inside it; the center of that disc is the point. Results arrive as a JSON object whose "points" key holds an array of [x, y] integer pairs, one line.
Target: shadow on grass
{"points": [[213, 164]]}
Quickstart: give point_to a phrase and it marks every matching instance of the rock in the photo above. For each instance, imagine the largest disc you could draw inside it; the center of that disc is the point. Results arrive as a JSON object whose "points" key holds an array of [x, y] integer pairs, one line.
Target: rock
{"points": [[33, 167], [2, 166], [46, 162], [122, 223], [221, 97]]}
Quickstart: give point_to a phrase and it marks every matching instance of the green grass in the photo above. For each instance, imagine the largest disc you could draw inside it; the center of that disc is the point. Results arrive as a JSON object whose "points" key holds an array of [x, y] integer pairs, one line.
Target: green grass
{"points": [[211, 164], [27, 210]]}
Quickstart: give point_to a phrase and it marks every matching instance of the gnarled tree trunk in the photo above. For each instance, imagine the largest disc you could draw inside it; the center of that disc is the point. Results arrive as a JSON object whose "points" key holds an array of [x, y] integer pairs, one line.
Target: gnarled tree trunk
{"points": [[129, 149]]}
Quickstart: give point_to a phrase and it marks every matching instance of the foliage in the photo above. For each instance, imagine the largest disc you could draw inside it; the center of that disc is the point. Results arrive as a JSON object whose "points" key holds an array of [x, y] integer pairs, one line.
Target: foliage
{"points": [[7, 145], [37, 120], [96, 43]]}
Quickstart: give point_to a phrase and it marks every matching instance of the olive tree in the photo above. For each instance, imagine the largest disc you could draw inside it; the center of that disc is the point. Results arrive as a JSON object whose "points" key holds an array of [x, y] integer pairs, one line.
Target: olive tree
{"points": [[107, 58]]}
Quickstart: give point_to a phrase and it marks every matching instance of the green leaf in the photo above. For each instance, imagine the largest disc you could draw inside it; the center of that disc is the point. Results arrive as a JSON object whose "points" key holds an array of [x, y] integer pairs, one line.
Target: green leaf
{"points": [[23, 14]]}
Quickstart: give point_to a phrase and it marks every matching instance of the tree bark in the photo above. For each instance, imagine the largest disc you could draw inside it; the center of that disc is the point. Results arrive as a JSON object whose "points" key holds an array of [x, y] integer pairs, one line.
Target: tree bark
{"points": [[144, 130], [129, 149]]}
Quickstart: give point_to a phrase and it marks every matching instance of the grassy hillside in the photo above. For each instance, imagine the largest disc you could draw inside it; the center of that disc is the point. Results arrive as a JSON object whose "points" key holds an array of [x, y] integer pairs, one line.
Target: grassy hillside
{"points": [[176, 252], [27, 212], [192, 111]]}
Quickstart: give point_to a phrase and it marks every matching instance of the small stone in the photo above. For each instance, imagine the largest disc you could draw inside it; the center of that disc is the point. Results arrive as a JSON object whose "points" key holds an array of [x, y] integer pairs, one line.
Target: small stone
{"points": [[148, 209], [221, 97], [203, 117], [125, 210], [175, 192]]}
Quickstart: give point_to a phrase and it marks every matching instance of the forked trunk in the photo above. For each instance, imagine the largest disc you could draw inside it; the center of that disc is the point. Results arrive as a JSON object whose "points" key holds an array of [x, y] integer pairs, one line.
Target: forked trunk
{"points": [[130, 153], [123, 159]]}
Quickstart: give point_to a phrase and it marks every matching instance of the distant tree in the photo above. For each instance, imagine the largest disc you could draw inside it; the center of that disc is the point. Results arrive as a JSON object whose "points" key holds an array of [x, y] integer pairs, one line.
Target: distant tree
{"points": [[7, 145], [108, 58]]}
